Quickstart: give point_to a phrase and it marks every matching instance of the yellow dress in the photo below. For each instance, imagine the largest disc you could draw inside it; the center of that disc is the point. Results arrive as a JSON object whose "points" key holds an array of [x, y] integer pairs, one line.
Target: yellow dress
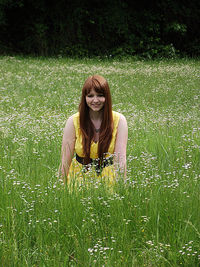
{"points": [[77, 172]]}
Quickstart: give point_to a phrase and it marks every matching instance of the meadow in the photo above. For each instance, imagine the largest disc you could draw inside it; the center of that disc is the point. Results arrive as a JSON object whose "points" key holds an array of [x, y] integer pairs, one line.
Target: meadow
{"points": [[152, 218]]}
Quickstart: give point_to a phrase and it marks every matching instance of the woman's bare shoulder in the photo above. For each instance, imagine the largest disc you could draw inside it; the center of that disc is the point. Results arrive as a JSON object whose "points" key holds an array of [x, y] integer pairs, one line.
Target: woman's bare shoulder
{"points": [[119, 115], [70, 120], [122, 118]]}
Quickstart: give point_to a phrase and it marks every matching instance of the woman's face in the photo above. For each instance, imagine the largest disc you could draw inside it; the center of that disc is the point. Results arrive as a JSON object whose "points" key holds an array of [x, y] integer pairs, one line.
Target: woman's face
{"points": [[94, 100]]}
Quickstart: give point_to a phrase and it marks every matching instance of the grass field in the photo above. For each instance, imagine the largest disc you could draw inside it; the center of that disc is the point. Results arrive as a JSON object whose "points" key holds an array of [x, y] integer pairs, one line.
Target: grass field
{"points": [[151, 220]]}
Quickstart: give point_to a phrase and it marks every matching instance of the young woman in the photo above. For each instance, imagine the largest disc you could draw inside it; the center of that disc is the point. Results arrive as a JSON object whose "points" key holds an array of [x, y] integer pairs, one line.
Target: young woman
{"points": [[96, 134]]}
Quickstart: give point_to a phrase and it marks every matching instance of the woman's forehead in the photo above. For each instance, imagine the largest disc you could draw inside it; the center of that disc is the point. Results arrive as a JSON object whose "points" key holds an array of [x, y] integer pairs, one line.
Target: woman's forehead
{"points": [[94, 90]]}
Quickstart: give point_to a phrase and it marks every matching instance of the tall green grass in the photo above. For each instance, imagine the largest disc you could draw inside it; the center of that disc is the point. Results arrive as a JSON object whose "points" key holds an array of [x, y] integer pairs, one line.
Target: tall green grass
{"points": [[150, 220]]}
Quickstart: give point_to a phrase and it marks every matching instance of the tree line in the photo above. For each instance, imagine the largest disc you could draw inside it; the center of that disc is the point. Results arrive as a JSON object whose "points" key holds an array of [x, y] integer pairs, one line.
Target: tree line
{"points": [[157, 28]]}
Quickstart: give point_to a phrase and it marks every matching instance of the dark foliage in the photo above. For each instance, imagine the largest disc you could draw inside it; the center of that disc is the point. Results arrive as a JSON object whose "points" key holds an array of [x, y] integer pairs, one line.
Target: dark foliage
{"points": [[161, 28]]}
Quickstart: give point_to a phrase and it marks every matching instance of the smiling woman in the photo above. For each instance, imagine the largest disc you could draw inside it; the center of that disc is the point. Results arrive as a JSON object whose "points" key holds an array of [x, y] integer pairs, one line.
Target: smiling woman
{"points": [[98, 136], [95, 101]]}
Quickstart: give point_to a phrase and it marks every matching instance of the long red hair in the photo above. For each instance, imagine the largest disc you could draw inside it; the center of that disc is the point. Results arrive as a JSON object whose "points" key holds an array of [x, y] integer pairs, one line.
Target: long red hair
{"points": [[100, 85]]}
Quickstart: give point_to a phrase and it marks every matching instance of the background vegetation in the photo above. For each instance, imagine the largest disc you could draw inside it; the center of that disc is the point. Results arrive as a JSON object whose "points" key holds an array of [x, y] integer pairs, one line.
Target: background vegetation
{"points": [[152, 219], [109, 28]]}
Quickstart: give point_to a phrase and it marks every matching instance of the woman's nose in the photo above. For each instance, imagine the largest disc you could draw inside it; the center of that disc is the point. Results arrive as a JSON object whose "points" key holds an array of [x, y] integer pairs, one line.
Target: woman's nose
{"points": [[96, 99]]}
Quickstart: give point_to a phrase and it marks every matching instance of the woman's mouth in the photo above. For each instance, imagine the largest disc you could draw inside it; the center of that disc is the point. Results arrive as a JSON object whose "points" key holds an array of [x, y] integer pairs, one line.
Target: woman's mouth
{"points": [[96, 105]]}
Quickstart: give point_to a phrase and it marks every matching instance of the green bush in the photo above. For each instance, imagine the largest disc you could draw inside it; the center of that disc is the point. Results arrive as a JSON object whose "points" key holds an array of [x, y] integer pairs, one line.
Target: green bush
{"points": [[117, 28]]}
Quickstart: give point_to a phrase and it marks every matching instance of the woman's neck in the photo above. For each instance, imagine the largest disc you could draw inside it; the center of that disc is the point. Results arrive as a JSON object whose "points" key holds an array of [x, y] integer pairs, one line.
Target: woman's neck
{"points": [[96, 116]]}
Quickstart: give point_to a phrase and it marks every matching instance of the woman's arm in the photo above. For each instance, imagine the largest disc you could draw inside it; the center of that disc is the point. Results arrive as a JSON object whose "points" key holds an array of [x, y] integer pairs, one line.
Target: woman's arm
{"points": [[68, 144], [120, 145]]}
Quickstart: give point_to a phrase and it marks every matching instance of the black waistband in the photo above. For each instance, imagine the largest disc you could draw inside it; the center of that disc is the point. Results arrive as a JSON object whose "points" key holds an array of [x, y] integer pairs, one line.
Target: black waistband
{"points": [[96, 162]]}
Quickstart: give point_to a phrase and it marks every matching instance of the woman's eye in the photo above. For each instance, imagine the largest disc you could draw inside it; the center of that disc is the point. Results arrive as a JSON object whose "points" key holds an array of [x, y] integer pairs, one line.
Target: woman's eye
{"points": [[93, 95]]}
